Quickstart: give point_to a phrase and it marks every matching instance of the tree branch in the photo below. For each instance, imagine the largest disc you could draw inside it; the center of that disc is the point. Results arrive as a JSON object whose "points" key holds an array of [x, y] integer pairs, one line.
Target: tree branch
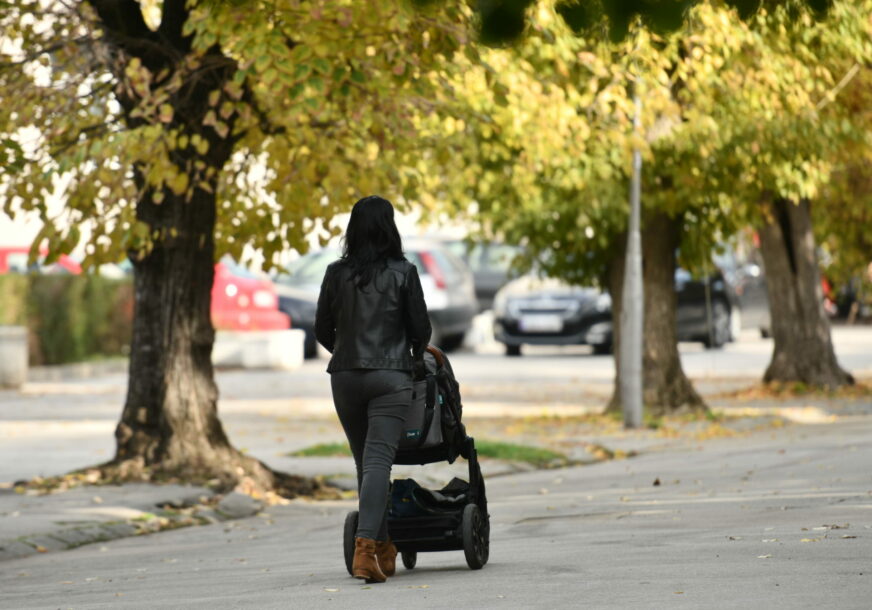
{"points": [[125, 27], [173, 18], [100, 128]]}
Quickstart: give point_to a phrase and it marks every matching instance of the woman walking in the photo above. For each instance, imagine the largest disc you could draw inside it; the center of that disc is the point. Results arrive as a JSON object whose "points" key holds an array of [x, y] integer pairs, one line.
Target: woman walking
{"points": [[373, 320]]}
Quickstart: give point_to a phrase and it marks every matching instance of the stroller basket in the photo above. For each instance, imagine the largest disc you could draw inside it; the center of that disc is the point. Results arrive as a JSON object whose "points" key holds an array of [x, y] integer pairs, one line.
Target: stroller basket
{"points": [[454, 517]]}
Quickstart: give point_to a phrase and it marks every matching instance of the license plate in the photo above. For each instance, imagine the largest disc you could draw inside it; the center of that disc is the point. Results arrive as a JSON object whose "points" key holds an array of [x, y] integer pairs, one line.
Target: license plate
{"points": [[542, 323]]}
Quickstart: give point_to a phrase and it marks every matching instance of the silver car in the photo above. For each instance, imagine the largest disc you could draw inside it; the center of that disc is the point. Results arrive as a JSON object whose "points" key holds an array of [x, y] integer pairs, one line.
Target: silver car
{"points": [[447, 283]]}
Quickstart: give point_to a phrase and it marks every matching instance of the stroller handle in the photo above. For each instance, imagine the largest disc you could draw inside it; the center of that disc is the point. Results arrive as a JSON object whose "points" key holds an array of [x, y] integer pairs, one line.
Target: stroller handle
{"points": [[437, 354]]}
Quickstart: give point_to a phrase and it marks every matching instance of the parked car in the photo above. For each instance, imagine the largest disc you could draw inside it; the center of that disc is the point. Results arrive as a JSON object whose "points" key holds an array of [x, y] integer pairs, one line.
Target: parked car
{"points": [[537, 311], [490, 264], [243, 301], [446, 281], [298, 289], [13, 259], [749, 279]]}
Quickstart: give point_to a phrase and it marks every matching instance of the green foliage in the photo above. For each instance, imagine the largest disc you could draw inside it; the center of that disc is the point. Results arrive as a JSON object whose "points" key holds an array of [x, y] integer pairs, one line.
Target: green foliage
{"points": [[843, 213], [537, 456], [732, 111], [323, 450], [317, 106], [78, 317], [512, 452], [14, 291]]}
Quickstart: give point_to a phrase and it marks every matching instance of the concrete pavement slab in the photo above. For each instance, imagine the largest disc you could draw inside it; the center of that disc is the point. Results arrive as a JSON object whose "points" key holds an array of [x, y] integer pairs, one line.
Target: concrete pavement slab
{"points": [[38, 523]]}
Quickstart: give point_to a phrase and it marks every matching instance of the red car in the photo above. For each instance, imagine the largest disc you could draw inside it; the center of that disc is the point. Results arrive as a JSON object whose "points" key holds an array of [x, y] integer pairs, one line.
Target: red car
{"points": [[13, 259], [243, 301]]}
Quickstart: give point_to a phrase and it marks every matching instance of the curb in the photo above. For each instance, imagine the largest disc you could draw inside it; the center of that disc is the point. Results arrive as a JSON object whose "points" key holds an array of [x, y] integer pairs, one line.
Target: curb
{"points": [[78, 370], [167, 515]]}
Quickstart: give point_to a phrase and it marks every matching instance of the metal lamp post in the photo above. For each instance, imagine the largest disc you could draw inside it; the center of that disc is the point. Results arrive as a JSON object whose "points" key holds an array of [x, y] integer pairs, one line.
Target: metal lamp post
{"points": [[632, 306]]}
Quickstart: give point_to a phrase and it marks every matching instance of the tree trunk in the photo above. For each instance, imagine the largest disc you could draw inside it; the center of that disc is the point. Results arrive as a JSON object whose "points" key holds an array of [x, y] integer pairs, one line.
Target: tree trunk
{"points": [[169, 427], [803, 350], [666, 389]]}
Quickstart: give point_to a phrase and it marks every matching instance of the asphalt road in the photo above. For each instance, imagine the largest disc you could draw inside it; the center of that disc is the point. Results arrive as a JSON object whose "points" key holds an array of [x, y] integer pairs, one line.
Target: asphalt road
{"points": [[59, 426], [780, 519], [776, 520]]}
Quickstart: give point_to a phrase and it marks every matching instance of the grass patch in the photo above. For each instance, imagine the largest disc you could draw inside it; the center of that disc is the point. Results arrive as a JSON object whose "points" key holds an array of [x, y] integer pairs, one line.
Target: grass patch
{"points": [[537, 456], [323, 450], [511, 452]]}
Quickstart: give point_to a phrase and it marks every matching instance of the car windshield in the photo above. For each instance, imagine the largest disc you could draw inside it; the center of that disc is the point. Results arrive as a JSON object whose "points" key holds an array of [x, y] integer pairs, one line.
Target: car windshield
{"points": [[461, 250], [17, 262], [236, 269], [307, 270]]}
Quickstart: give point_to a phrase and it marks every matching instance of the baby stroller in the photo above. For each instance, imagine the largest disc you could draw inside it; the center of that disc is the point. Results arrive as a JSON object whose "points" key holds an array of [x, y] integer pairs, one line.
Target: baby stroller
{"points": [[454, 517]]}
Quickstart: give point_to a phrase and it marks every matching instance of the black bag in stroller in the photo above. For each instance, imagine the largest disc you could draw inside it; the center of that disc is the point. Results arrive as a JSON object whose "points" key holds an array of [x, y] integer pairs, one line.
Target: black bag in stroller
{"points": [[454, 517]]}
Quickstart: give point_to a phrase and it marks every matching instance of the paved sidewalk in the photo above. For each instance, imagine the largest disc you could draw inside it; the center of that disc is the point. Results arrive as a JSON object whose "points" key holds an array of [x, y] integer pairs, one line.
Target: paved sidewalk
{"points": [[33, 523], [777, 519]]}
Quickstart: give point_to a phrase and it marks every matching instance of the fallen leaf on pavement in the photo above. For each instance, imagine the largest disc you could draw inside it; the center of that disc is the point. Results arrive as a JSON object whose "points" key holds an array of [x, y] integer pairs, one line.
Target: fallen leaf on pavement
{"points": [[810, 540], [41, 549]]}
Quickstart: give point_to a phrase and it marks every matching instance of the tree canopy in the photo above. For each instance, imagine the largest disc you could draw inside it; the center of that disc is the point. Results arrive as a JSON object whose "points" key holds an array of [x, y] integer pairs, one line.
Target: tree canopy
{"points": [[317, 102], [731, 109]]}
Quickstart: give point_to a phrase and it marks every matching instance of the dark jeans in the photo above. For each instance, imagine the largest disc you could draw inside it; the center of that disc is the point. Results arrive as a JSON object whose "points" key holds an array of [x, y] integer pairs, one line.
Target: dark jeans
{"points": [[372, 407]]}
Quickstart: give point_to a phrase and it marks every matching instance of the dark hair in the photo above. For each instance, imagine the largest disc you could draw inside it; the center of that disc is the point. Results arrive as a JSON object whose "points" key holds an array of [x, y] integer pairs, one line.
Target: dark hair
{"points": [[371, 238]]}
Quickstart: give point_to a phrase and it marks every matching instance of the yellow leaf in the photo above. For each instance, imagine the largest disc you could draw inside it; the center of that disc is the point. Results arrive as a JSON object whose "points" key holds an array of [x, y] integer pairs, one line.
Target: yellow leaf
{"points": [[166, 113], [179, 184]]}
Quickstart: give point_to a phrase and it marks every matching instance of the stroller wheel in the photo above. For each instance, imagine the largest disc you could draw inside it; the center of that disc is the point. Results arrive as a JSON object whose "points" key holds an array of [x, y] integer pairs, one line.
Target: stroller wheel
{"points": [[410, 559], [476, 537], [348, 538]]}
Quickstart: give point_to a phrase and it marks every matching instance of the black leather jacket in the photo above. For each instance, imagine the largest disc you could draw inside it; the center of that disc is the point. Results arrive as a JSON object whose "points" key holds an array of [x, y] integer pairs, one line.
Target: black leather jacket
{"points": [[377, 327]]}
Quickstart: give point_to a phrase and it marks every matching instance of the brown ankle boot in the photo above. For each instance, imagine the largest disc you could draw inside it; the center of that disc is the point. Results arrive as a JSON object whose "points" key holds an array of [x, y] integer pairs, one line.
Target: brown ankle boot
{"points": [[365, 561], [387, 556]]}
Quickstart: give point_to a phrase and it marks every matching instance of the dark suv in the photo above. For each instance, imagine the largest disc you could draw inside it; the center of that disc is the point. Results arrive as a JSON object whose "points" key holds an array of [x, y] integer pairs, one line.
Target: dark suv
{"points": [[490, 263], [539, 311]]}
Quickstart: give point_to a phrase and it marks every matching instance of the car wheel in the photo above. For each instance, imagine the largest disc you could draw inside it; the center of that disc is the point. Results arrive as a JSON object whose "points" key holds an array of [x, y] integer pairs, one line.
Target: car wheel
{"points": [[435, 334], [602, 348], [735, 323], [310, 348], [513, 350], [719, 331], [452, 342]]}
